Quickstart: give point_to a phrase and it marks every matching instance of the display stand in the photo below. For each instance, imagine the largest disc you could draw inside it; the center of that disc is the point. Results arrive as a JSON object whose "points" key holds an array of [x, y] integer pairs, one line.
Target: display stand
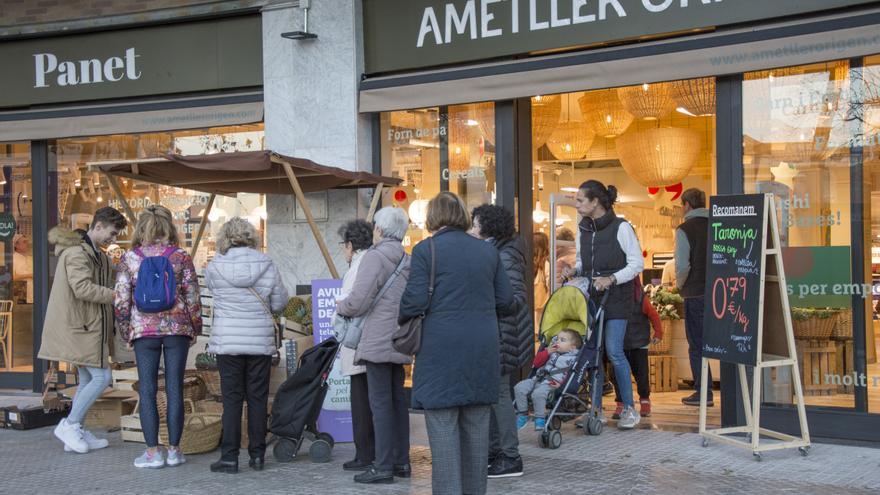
{"points": [[774, 344]]}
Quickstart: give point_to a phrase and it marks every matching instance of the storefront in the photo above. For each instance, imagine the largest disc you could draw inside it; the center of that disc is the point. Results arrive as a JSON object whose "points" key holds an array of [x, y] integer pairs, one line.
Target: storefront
{"points": [[123, 95], [523, 101]]}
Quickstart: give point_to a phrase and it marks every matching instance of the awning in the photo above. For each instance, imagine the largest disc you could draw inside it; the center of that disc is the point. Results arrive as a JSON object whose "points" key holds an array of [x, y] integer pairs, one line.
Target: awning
{"points": [[243, 172]]}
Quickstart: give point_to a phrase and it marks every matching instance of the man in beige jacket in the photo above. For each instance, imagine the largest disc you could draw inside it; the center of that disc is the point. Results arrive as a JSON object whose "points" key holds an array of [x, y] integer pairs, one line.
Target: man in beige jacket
{"points": [[79, 320]]}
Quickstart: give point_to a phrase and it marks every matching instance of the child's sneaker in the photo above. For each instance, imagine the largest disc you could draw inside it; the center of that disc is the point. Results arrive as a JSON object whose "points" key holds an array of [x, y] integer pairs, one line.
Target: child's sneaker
{"points": [[521, 421], [629, 418], [540, 424], [617, 411], [174, 457], [150, 460], [645, 407]]}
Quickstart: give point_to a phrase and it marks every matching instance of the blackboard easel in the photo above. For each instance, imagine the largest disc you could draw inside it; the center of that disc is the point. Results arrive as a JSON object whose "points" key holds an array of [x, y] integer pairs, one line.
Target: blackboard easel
{"points": [[774, 344]]}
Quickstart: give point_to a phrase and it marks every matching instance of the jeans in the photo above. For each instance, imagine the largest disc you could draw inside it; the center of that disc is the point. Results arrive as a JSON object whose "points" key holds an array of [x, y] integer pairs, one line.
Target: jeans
{"points": [[147, 352], [693, 327], [638, 361], [390, 414], [503, 437], [244, 378], [615, 331], [92, 382]]}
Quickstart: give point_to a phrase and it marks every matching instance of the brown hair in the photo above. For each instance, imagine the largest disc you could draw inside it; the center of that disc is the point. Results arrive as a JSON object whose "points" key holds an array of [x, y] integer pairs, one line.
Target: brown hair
{"points": [[541, 250], [109, 216], [575, 337], [694, 197], [447, 210], [154, 223]]}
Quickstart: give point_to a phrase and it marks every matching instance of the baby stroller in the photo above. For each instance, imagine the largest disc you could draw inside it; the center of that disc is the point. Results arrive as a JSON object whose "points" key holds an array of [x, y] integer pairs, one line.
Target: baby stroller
{"points": [[298, 403], [570, 307]]}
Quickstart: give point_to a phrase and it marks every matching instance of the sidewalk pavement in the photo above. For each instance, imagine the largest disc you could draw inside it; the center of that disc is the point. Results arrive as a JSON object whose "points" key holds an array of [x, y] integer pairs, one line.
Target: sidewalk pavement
{"points": [[639, 461]]}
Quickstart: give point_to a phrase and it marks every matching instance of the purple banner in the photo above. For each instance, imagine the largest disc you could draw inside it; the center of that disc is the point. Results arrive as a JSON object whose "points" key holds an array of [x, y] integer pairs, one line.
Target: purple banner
{"points": [[335, 417]]}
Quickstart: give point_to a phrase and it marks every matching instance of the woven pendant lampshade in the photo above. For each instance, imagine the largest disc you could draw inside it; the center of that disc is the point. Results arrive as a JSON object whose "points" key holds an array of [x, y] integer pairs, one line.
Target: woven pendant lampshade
{"points": [[545, 116], [648, 101], [660, 156], [604, 113], [571, 140], [484, 114], [697, 96], [459, 142]]}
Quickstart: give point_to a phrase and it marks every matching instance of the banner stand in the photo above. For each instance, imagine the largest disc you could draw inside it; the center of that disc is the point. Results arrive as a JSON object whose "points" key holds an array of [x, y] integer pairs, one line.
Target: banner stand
{"points": [[773, 322]]}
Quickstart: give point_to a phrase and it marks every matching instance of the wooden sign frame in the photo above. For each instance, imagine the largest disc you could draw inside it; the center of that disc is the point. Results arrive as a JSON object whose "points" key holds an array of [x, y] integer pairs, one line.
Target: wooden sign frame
{"points": [[774, 349]]}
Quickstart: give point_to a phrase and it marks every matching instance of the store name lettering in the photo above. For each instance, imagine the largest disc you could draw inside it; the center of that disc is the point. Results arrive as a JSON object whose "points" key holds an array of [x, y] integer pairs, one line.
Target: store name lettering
{"points": [[402, 136], [472, 172], [480, 22], [88, 71]]}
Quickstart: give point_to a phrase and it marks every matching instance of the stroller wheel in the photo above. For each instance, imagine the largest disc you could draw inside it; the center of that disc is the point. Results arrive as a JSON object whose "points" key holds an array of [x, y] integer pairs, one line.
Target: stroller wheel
{"points": [[594, 426], [544, 439], [555, 423], [320, 451], [326, 437], [284, 450], [555, 439]]}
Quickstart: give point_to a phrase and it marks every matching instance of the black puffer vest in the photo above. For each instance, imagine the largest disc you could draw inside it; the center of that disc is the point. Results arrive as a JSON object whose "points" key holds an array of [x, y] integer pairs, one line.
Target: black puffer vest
{"points": [[696, 230], [602, 256]]}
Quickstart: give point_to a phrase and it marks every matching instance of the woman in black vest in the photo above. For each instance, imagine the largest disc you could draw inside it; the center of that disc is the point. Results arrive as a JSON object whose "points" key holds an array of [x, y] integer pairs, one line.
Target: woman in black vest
{"points": [[608, 253]]}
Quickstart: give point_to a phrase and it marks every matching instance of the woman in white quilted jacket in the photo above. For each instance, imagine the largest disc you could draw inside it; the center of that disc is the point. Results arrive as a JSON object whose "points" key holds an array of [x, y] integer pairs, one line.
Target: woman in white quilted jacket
{"points": [[247, 288]]}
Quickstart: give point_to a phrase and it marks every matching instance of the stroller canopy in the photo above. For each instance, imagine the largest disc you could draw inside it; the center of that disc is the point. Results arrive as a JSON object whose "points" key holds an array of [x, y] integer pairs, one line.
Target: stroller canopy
{"points": [[566, 308]]}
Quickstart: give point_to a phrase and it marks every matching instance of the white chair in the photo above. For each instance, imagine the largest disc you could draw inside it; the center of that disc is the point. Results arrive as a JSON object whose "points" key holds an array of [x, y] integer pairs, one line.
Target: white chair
{"points": [[6, 333]]}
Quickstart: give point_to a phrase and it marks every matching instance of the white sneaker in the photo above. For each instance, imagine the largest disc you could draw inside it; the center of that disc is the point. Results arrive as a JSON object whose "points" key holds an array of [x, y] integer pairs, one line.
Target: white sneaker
{"points": [[72, 436], [93, 442], [148, 460], [629, 418], [174, 457]]}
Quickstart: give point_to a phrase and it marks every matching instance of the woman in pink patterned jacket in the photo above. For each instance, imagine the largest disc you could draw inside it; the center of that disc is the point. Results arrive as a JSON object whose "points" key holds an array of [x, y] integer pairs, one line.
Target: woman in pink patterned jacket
{"points": [[151, 334]]}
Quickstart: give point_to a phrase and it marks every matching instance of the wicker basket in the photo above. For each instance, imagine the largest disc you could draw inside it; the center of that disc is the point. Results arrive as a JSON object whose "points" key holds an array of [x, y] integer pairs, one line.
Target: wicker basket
{"points": [[843, 326], [665, 344], [814, 328], [201, 432], [194, 390], [211, 378]]}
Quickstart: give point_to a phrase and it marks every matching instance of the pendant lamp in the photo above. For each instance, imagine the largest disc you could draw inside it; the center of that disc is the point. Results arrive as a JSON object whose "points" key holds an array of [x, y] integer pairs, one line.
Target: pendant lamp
{"points": [[604, 113], [545, 116], [571, 140], [696, 96], [659, 156], [648, 101]]}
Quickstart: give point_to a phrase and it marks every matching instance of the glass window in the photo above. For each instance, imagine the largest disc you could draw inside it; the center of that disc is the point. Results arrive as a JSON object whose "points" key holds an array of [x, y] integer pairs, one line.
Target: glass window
{"points": [[17, 270], [866, 110], [438, 149]]}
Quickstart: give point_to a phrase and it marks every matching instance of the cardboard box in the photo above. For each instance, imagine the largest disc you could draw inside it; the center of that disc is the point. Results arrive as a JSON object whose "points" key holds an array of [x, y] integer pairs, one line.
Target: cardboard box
{"points": [[107, 413]]}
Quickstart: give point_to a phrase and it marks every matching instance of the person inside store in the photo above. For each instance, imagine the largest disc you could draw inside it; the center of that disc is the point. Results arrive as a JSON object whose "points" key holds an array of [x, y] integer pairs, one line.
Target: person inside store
{"points": [[78, 328], [609, 254], [690, 278], [165, 322], [643, 329], [23, 265], [667, 277], [497, 226], [357, 237], [247, 291], [566, 252], [376, 297], [541, 271], [457, 370]]}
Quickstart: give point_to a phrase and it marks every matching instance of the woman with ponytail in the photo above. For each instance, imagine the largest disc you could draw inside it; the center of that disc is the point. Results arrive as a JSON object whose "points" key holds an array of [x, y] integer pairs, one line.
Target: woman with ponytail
{"points": [[608, 253]]}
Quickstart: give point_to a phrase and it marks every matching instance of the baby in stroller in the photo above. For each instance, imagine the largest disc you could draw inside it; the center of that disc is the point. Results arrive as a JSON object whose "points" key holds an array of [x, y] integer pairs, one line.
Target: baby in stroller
{"points": [[554, 364]]}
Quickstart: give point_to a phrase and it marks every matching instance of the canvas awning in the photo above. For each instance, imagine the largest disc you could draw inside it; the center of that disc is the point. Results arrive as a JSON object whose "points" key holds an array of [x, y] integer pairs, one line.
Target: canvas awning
{"points": [[262, 172]]}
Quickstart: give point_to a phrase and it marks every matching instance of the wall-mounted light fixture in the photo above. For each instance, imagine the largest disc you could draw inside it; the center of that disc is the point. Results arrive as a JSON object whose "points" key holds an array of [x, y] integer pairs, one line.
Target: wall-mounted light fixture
{"points": [[304, 34]]}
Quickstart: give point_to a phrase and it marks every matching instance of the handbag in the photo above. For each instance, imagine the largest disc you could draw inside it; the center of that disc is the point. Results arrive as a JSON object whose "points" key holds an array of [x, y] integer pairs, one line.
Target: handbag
{"points": [[276, 358], [408, 337], [348, 330]]}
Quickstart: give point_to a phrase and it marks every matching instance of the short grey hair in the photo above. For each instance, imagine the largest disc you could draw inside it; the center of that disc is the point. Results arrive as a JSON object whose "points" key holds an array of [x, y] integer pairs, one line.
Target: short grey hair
{"points": [[392, 221], [237, 232]]}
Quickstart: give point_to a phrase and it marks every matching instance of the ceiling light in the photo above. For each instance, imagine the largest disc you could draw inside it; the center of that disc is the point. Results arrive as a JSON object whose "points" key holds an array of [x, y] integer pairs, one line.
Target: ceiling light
{"points": [[569, 189]]}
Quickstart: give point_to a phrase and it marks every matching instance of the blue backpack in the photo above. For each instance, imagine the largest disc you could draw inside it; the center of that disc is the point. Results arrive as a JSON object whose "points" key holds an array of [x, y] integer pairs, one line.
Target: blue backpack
{"points": [[156, 284]]}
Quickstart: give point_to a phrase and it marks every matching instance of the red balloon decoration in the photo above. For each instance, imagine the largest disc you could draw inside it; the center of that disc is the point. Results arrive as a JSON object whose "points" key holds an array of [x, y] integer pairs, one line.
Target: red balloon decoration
{"points": [[400, 195]]}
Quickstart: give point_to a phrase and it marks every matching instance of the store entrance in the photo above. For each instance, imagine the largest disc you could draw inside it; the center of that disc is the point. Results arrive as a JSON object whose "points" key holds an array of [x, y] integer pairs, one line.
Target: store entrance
{"points": [[652, 142]]}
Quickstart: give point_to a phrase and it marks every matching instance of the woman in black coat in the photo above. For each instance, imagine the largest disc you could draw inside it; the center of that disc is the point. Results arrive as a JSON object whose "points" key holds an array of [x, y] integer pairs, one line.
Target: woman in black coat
{"points": [[496, 225], [457, 371]]}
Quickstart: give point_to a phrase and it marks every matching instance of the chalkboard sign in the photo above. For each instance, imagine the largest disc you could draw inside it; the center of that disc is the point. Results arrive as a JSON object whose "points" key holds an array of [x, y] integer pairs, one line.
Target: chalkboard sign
{"points": [[733, 277]]}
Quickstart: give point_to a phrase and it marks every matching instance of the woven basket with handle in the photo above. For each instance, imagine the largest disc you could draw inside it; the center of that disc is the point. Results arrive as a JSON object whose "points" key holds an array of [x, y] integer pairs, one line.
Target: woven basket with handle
{"points": [[814, 328], [201, 432], [665, 344]]}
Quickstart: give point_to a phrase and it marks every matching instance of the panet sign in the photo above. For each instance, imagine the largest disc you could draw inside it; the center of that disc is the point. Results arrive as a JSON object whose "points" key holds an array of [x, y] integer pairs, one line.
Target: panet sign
{"points": [[418, 33], [88, 71]]}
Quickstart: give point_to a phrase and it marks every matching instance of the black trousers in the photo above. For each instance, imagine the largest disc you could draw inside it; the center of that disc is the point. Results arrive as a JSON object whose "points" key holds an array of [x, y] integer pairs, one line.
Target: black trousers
{"points": [[390, 414], [638, 361], [362, 419], [244, 378]]}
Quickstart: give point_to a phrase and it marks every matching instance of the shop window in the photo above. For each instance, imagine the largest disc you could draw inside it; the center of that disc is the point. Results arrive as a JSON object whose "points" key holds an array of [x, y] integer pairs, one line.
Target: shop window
{"points": [[17, 269], [652, 141], [866, 110], [438, 149]]}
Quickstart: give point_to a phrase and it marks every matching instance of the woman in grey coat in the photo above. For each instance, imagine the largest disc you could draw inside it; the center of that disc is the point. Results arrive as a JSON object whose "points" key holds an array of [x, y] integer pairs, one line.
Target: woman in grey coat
{"points": [[385, 374], [247, 289]]}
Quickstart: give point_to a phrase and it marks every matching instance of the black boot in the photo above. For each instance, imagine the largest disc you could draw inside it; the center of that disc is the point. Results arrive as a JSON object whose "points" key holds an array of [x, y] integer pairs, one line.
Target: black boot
{"points": [[373, 475], [403, 470], [257, 463], [221, 466]]}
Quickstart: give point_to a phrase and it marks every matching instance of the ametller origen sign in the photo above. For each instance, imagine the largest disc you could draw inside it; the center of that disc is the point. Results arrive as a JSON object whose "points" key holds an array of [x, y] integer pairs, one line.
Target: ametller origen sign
{"points": [[88, 71]]}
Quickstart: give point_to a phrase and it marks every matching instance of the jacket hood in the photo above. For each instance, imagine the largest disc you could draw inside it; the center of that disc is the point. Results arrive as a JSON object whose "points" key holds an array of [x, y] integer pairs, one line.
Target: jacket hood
{"points": [[697, 213], [240, 266], [64, 238]]}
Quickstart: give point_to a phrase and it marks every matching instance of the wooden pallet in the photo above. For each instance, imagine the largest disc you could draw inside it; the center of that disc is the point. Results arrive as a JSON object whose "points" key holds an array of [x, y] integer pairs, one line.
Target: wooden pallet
{"points": [[818, 359], [845, 363], [663, 374]]}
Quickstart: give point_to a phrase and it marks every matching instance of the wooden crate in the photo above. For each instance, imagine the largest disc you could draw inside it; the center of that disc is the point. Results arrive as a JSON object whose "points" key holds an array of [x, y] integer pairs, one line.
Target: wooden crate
{"points": [[817, 359], [124, 379], [107, 413], [130, 426], [845, 364], [663, 374]]}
